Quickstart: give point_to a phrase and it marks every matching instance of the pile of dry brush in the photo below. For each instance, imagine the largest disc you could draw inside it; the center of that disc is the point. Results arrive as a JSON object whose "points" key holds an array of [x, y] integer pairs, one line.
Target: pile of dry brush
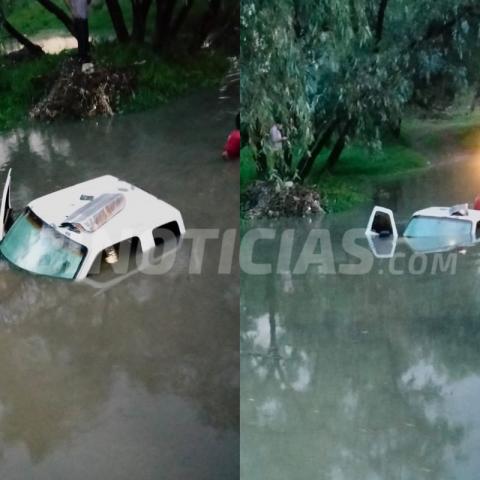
{"points": [[80, 94], [277, 199]]}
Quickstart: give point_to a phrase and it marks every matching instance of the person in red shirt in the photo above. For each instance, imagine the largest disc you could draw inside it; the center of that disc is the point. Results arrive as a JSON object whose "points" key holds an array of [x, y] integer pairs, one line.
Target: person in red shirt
{"points": [[231, 151]]}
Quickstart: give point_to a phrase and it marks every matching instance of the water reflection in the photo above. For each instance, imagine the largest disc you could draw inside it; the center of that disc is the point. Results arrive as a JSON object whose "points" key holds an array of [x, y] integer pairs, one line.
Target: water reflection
{"points": [[360, 377]]}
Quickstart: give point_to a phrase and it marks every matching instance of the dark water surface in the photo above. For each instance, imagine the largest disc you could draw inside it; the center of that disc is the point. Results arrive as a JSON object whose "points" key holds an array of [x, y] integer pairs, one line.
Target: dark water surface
{"points": [[369, 377], [139, 381]]}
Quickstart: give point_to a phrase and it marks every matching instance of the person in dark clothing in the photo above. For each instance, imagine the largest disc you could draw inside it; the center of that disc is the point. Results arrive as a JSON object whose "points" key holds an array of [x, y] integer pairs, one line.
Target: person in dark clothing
{"points": [[80, 23]]}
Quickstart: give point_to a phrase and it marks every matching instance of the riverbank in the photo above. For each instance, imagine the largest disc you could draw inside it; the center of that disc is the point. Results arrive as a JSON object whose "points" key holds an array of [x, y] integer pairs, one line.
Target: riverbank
{"points": [[423, 143], [157, 79]]}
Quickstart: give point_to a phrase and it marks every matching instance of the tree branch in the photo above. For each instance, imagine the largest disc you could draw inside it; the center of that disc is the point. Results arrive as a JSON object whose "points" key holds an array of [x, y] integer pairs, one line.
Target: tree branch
{"points": [[380, 21], [163, 21], [306, 163], [118, 20], [14, 33], [59, 13], [207, 24], [181, 18]]}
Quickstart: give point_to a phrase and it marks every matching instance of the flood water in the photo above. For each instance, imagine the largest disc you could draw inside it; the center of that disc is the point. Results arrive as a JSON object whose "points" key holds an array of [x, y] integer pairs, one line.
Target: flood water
{"points": [[367, 377], [138, 381]]}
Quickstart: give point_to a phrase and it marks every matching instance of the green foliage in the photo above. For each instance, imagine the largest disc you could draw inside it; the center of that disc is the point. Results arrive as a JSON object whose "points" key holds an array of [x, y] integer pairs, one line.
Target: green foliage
{"points": [[158, 79], [317, 63], [352, 180], [358, 159], [438, 135], [248, 168], [273, 83], [21, 86], [340, 194], [29, 17]]}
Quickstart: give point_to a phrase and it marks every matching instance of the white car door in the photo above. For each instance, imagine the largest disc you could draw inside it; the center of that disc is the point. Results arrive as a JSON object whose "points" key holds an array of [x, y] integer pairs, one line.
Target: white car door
{"points": [[381, 223], [6, 206]]}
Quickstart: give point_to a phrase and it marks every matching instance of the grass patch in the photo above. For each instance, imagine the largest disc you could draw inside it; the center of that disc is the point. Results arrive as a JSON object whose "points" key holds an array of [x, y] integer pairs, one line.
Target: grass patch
{"points": [[459, 130], [340, 193], [31, 18], [158, 79], [357, 160], [248, 169], [359, 169], [21, 86], [353, 179]]}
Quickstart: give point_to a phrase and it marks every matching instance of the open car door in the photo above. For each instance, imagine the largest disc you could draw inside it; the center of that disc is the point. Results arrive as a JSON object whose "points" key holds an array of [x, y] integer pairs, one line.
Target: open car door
{"points": [[6, 207], [382, 233], [381, 223]]}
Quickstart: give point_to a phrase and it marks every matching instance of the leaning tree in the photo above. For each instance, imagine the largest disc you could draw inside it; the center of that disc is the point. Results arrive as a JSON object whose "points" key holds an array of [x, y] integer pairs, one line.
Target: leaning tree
{"points": [[12, 32], [334, 70]]}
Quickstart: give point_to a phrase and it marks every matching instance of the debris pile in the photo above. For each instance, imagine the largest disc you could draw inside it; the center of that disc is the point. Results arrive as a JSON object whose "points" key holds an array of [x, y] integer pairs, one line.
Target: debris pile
{"points": [[84, 91], [280, 199]]}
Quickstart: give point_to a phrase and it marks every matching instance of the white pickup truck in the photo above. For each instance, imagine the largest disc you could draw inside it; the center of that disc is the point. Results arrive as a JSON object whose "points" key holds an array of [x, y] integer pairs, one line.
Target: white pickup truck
{"points": [[63, 233], [433, 229]]}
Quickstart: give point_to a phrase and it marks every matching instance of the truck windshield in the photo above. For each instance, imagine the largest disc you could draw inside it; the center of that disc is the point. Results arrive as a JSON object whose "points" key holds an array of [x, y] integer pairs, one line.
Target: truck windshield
{"points": [[33, 245], [438, 227]]}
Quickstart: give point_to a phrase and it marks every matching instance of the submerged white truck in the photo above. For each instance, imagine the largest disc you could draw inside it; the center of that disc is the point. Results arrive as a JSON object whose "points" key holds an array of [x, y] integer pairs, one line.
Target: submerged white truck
{"points": [[433, 229], [63, 233]]}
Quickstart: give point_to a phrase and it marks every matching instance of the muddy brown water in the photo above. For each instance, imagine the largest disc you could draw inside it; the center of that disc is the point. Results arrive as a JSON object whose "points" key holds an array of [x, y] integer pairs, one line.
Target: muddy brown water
{"points": [[140, 380], [369, 377]]}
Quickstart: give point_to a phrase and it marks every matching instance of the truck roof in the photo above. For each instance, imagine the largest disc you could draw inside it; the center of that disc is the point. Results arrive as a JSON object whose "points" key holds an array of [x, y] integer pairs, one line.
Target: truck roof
{"points": [[140, 213], [446, 212]]}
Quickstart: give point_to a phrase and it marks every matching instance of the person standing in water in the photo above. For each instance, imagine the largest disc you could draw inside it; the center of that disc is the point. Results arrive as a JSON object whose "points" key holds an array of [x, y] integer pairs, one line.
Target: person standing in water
{"points": [[231, 151], [79, 10]]}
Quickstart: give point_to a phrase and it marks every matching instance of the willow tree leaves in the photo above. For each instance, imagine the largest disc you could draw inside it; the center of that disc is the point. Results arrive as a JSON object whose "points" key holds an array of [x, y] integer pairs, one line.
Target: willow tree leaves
{"points": [[357, 62]]}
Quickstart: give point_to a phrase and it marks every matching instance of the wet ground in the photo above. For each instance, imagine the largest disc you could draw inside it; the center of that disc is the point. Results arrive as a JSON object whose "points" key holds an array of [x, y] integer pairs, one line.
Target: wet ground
{"points": [[368, 377], [138, 381]]}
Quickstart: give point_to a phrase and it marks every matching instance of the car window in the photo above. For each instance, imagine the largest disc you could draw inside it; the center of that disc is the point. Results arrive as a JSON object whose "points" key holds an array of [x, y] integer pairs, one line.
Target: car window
{"points": [[33, 245], [438, 227]]}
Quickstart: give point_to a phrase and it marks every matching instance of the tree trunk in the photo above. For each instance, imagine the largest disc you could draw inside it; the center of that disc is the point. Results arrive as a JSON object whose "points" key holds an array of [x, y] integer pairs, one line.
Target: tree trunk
{"points": [[118, 21], [60, 14], [140, 9], [181, 18], [14, 33], [287, 157], [163, 20], [207, 24], [475, 98], [396, 127], [306, 163], [297, 23], [260, 158], [380, 21], [337, 149], [261, 161]]}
